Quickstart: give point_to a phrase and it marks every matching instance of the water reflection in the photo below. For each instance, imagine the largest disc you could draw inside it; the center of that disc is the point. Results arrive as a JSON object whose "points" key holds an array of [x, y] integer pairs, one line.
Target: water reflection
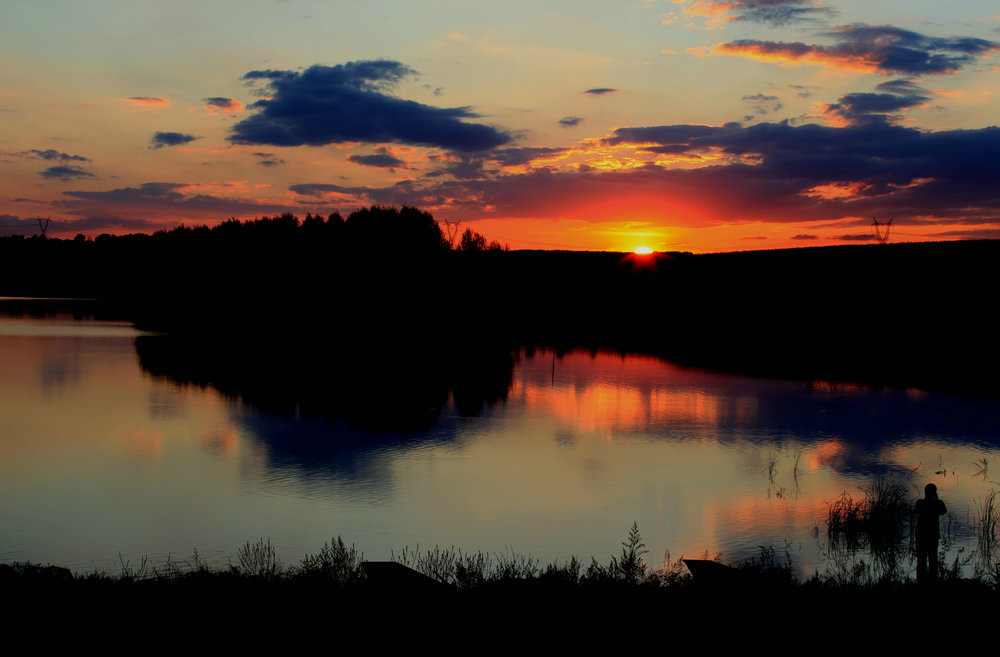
{"points": [[381, 387], [551, 453]]}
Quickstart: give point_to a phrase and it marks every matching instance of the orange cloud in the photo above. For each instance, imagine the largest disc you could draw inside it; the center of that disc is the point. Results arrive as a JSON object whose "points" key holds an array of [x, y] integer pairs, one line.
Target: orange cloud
{"points": [[220, 105], [840, 191], [146, 102], [797, 54]]}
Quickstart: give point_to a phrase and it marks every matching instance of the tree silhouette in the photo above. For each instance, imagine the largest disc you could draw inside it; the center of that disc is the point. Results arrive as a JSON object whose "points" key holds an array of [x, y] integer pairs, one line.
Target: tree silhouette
{"points": [[473, 241]]}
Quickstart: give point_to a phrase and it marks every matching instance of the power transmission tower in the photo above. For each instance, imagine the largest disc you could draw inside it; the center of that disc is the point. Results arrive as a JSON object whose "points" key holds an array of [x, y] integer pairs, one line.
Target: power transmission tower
{"points": [[882, 230], [43, 225], [451, 228]]}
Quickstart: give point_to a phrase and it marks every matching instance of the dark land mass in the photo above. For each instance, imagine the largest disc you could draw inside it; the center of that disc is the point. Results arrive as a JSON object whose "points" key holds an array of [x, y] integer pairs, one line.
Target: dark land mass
{"points": [[278, 299]]}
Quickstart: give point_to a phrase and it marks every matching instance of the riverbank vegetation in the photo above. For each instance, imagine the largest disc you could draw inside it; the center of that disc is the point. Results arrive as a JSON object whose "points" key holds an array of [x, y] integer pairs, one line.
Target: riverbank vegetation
{"points": [[453, 597], [869, 545]]}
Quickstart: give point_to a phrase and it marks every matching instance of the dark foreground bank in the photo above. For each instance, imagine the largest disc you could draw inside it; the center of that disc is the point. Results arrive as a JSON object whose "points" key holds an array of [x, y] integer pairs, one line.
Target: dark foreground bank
{"points": [[231, 609]]}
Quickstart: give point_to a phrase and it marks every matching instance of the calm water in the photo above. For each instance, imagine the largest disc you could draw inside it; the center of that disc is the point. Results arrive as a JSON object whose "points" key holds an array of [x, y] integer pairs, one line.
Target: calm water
{"points": [[98, 458]]}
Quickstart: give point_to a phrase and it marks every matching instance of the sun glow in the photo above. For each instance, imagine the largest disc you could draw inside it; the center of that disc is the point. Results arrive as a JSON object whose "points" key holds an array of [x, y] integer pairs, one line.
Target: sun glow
{"points": [[643, 250]]}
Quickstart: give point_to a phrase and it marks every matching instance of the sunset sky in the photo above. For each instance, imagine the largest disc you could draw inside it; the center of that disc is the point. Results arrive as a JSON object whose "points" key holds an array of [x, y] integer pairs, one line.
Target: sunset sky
{"points": [[696, 125]]}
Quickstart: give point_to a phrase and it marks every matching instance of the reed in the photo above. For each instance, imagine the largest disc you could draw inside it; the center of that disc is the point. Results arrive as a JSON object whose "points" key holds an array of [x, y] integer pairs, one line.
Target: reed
{"points": [[875, 525], [988, 539], [131, 573]]}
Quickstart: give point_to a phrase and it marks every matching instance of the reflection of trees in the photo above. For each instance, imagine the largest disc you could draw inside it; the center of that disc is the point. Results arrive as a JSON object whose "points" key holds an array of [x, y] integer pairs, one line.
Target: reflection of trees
{"points": [[373, 384]]}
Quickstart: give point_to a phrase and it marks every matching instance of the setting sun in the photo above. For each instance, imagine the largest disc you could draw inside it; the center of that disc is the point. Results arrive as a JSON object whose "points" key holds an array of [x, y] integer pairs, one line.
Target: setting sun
{"points": [[643, 250]]}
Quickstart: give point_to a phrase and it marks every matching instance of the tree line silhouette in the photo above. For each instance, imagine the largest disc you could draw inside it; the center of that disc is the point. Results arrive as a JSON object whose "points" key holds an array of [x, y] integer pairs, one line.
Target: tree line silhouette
{"points": [[913, 314]]}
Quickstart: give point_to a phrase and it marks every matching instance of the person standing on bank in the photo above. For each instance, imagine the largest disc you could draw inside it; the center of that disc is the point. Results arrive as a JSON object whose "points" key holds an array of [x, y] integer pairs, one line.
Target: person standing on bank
{"points": [[928, 510]]}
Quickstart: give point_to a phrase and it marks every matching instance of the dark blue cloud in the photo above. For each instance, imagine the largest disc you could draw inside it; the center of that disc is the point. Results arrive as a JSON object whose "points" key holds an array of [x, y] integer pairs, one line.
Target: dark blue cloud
{"points": [[53, 155], [901, 87], [600, 91], [570, 121], [222, 103], [381, 159], [878, 154], [161, 139], [887, 48], [773, 12], [861, 108], [664, 138], [512, 157], [65, 172], [268, 159], [351, 102], [777, 172]]}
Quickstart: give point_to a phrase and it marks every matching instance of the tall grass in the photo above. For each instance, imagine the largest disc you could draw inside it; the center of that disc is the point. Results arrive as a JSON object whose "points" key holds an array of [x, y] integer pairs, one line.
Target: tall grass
{"points": [[468, 570], [988, 539], [335, 562], [259, 560], [866, 538], [874, 526]]}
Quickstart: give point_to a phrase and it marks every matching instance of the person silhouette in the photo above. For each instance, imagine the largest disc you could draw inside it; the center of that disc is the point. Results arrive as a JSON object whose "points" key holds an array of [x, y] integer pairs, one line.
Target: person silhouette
{"points": [[927, 511]]}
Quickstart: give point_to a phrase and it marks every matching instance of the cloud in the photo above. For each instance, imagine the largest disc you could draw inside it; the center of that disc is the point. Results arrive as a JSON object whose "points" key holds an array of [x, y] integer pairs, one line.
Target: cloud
{"points": [[326, 189], [805, 236], [800, 90], [53, 155], [65, 172], [512, 157], [10, 224], [473, 167], [268, 159], [464, 167], [662, 139], [770, 12], [766, 172], [862, 108], [382, 159], [351, 102], [570, 121], [156, 205], [146, 102], [161, 139], [600, 91], [317, 189], [855, 237], [871, 49], [221, 104], [763, 103]]}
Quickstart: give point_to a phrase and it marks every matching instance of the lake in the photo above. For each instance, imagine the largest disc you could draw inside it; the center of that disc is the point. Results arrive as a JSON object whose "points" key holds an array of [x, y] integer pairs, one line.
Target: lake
{"points": [[103, 462]]}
